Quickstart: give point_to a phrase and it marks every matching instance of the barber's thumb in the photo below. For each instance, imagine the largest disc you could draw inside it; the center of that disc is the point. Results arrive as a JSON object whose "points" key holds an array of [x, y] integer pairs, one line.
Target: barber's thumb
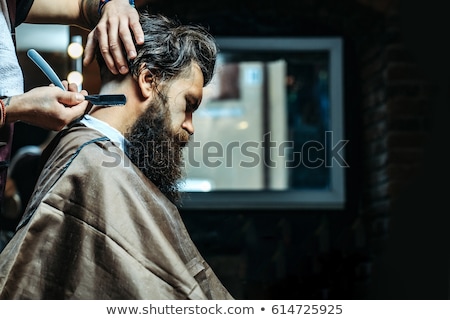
{"points": [[79, 97], [72, 98]]}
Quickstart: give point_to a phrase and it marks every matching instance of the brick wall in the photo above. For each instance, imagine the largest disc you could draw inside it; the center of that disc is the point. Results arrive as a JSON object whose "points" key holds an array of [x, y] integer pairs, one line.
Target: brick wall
{"points": [[396, 117]]}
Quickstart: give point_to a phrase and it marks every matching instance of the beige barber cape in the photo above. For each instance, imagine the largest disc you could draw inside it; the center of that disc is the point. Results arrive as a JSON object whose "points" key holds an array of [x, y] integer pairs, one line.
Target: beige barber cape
{"points": [[97, 228]]}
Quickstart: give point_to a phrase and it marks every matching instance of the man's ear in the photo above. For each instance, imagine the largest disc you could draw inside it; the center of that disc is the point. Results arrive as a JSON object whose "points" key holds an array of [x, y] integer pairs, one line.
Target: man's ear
{"points": [[146, 81]]}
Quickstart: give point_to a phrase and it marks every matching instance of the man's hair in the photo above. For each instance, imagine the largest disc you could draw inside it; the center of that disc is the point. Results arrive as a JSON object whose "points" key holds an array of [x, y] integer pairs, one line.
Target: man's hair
{"points": [[169, 49]]}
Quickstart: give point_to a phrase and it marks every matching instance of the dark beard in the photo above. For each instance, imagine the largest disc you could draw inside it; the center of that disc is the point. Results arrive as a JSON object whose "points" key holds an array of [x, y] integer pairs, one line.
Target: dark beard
{"points": [[157, 151]]}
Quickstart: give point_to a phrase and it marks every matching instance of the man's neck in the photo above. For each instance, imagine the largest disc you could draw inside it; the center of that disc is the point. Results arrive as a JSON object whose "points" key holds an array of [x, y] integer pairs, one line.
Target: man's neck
{"points": [[118, 117]]}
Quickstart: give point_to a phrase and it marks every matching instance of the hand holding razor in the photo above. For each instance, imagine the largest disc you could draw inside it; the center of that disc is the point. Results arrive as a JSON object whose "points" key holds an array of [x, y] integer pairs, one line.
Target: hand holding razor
{"points": [[96, 99]]}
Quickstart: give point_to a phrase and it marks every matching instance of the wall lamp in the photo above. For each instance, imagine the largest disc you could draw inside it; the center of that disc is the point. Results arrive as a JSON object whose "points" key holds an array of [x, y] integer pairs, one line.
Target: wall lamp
{"points": [[75, 52]]}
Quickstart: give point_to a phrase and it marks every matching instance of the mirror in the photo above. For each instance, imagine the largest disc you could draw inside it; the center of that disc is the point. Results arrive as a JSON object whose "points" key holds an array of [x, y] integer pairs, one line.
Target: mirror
{"points": [[269, 130]]}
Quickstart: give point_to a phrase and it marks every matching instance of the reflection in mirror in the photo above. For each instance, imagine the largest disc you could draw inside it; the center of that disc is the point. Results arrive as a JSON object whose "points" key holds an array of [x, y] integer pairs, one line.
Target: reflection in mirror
{"points": [[269, 128]]}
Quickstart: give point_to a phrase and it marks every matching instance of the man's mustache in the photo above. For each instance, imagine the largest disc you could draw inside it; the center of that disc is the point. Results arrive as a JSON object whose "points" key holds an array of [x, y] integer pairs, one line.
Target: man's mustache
{"points": [[183, 137]]}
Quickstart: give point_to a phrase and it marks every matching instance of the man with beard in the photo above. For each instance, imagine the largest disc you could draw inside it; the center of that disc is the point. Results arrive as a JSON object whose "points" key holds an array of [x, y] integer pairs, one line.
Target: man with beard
{"points": [[102, 223]]}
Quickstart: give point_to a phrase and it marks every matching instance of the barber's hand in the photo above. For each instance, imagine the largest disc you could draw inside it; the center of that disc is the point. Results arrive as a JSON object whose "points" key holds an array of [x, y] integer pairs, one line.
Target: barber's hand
{"points": [[113, 33], [48, 107]]}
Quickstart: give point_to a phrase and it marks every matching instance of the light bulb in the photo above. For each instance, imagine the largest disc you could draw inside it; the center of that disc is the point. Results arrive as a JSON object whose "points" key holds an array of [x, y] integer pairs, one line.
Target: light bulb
{"points": [[75, 50], [75, 77]]}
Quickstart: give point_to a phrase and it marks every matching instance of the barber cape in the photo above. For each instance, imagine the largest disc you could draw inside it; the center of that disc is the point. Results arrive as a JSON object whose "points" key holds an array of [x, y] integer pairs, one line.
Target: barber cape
{"points": [[97, 228]]}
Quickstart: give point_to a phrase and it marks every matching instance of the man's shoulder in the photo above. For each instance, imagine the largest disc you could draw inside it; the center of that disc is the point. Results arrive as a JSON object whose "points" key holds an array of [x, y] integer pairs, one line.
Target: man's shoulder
{"points": [[78, 135], [88, 144], [75, 138], [75, 142]]}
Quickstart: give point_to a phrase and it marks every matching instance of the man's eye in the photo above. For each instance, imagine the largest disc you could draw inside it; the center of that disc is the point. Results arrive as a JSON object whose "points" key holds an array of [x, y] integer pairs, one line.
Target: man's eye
{"points": [[190, 108]]}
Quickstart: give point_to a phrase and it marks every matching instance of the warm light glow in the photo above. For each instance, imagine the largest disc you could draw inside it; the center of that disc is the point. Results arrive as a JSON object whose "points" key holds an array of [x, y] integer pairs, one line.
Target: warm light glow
{"points": [[243, 125], [75, 77], [75, 50]]}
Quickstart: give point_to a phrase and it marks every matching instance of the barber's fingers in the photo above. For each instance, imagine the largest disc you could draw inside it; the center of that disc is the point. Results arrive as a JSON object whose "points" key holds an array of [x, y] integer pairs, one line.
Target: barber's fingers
{"points": [[122, 22], [114, 36], [115, 46], [73, 106], [69, 98], [89, 50], [133, 24], [100, 37], [71, 112], [73, 87]]}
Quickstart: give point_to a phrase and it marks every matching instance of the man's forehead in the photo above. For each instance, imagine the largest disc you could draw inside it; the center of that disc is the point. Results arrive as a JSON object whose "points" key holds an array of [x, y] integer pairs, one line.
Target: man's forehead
{"points": [[190, 83]]}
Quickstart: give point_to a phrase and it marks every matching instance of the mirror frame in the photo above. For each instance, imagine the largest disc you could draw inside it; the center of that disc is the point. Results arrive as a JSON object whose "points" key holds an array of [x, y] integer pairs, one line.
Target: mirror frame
{"points": [[332, 198]]}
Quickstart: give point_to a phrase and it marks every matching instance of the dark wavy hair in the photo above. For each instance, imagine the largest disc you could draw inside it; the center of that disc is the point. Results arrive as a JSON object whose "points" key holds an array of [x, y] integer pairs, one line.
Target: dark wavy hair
{"points": [[169, 49]]}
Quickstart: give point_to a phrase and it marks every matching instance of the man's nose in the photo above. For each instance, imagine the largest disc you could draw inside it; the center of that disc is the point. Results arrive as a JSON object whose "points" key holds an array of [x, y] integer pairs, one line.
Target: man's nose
{"points": [[188, 125]]}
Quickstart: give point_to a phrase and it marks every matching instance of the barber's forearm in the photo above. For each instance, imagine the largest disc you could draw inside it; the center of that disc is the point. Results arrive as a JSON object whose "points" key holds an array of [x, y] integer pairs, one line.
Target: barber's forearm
{"points": [[89, 13], [59, 12], [15, 109], [82, 13]]}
